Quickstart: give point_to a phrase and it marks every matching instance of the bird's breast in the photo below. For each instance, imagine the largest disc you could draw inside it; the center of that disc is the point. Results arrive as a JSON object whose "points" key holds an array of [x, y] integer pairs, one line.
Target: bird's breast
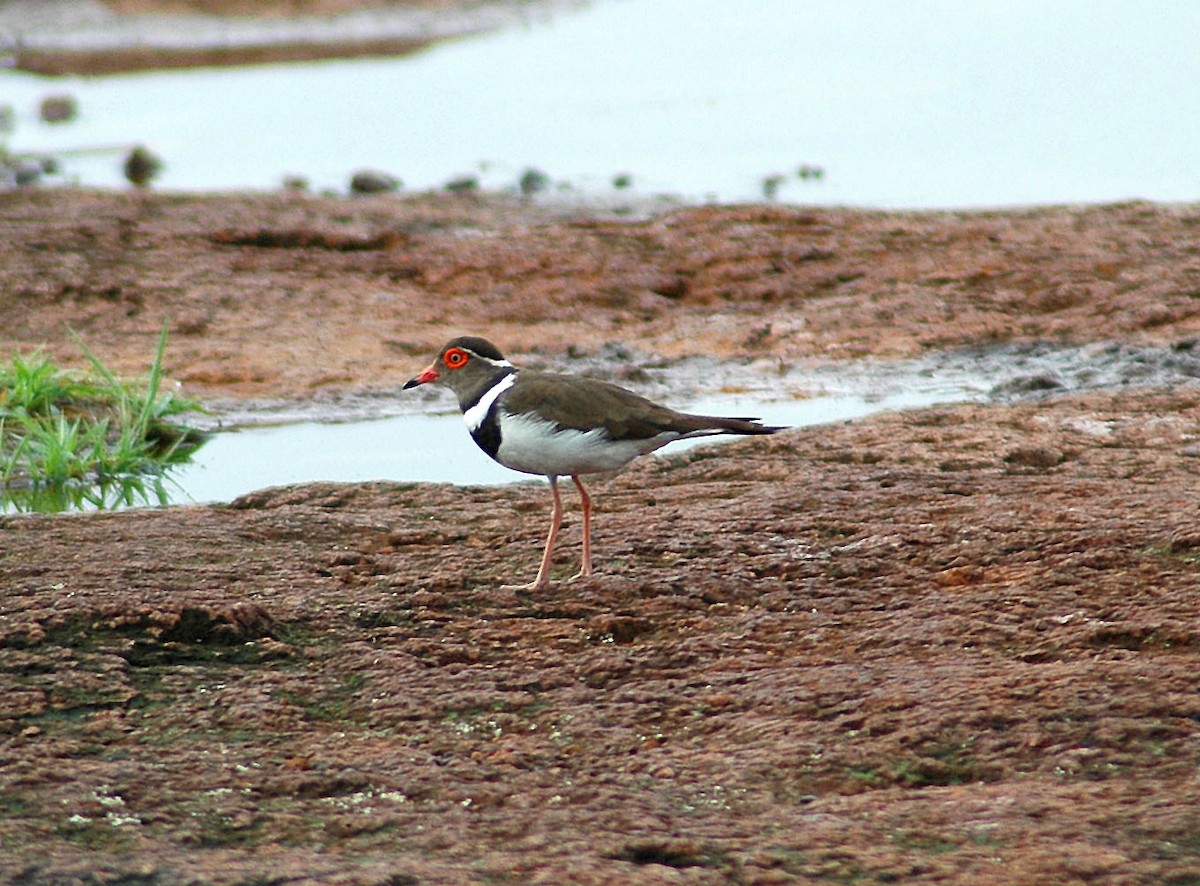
{"points": [[533, 445]]}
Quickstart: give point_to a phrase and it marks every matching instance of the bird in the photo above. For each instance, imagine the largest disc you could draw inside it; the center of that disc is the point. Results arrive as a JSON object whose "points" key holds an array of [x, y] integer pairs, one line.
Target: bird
{"points": [[560, 425]]}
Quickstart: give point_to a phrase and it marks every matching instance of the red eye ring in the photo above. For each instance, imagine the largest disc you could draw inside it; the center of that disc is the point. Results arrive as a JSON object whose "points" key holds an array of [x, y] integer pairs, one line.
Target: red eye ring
{"points": [[455, 358]]}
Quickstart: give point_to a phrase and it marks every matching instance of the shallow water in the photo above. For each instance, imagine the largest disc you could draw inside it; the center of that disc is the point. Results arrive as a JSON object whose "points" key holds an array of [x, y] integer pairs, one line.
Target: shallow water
{"points": [[909, 103]]}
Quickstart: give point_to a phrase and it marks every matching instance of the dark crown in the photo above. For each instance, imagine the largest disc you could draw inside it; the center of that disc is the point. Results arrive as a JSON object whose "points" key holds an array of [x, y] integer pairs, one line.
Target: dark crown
{"points": [[476, 345]]}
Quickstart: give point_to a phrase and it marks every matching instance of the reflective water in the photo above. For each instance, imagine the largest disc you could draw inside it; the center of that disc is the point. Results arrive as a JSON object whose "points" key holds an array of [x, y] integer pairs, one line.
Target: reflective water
{"points": [[905, 103]]}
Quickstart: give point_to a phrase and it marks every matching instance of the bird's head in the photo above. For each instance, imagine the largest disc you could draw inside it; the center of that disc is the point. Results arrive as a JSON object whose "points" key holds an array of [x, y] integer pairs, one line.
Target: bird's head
{"points": [[464, 365]]}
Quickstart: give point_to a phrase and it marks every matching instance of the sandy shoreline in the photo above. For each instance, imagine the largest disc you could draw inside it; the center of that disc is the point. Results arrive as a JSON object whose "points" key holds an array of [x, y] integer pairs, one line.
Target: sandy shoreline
{"points": [[89, 37]]}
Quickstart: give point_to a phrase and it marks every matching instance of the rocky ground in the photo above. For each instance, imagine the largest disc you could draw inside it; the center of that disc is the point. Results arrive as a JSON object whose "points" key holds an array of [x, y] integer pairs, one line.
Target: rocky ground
{"points": [[952, 645]]}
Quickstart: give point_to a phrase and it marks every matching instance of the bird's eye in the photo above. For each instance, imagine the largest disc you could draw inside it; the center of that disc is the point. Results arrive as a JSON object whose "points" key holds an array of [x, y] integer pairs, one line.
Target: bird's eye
{"points": [[455, 358]]}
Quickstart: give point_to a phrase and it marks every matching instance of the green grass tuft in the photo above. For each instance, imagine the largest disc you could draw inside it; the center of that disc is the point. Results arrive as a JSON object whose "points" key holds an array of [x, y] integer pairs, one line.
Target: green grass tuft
{"points": [[71, 440]]}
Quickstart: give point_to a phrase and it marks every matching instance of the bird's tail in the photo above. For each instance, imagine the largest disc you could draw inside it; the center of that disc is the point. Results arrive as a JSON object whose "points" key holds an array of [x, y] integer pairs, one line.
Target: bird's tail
{"points": [[716, 424]]}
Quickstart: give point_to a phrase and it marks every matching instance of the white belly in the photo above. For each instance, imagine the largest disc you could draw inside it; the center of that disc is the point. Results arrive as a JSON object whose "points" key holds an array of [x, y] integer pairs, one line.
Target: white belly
{"points": [[532, 445]]}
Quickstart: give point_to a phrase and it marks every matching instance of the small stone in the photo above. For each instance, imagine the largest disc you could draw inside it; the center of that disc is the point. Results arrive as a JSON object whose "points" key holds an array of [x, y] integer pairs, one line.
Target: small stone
{"points": [[771, 185], [463, 184], [1028, 384], [373, 181], [27, 173], [142, 166], [1035, 457], [533, 181], [58, 108]]}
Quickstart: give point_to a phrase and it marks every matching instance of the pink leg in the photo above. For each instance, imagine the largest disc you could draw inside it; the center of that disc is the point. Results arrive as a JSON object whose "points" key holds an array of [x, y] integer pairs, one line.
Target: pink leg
{"points": [[586, 501], [543, 576]]}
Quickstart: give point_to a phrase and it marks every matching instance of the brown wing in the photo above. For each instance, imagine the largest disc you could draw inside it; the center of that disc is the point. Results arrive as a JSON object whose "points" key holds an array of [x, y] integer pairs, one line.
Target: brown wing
{"points": [[584, 403]]}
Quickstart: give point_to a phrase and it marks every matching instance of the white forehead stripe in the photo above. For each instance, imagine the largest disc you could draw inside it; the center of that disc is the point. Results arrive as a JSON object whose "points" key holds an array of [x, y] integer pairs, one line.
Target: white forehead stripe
{"points": [[475, 415]]}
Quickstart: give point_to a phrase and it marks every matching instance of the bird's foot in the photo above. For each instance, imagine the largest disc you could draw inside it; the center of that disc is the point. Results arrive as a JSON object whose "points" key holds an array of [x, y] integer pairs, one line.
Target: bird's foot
{"points": [[586, 572], [538, 584]]}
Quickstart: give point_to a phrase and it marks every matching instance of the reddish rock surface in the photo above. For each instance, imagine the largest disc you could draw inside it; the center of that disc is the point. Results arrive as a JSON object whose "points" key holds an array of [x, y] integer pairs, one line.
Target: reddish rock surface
{"points": [[957, 644]]}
